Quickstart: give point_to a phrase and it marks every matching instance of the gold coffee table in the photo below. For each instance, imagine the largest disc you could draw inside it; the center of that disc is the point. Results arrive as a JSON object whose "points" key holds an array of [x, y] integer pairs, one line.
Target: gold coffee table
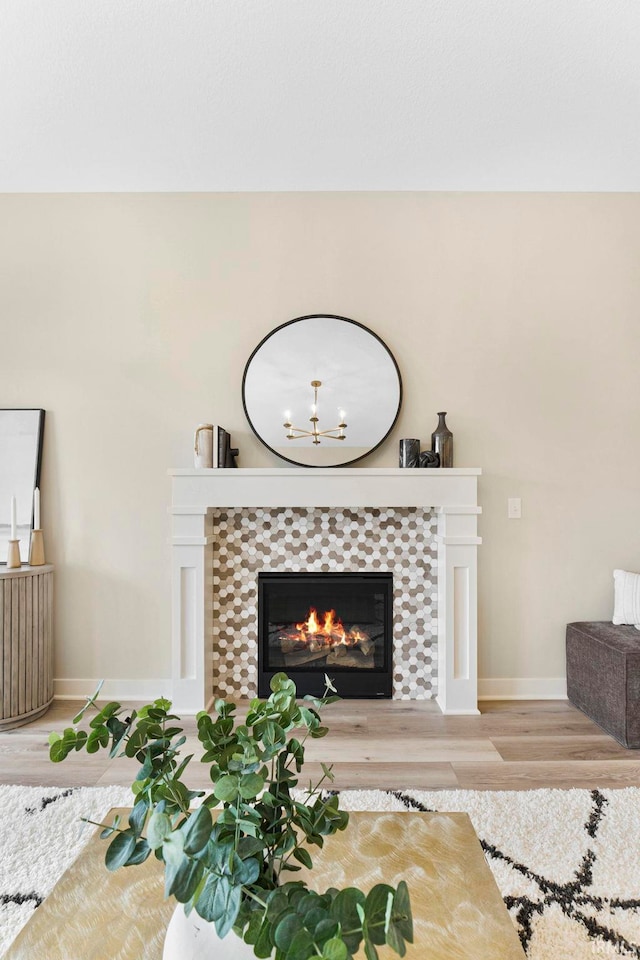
{"points": [[457, 908]]}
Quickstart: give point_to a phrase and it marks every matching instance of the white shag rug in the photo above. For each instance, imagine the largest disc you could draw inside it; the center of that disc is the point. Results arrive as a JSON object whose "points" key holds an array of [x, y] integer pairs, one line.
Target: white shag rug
{"points": [[567, 862], [41, 834]]}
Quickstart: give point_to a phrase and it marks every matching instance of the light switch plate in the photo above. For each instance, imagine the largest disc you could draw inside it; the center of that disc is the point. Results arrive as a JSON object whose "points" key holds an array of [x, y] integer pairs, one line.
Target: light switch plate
{"points": [[514, 508]]}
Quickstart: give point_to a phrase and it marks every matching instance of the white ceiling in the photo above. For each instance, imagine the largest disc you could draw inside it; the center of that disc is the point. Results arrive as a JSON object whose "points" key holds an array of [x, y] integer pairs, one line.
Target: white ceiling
{"points": [[319, 95]]}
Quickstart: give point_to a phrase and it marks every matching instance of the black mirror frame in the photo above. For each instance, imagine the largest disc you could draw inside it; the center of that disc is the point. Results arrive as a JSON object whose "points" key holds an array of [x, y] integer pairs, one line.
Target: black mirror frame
{"points": [[316, 316]]}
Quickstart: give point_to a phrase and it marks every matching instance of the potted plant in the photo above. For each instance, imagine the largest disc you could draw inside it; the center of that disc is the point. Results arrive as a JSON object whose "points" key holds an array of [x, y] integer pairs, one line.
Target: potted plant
{"points": [[230, 867]]}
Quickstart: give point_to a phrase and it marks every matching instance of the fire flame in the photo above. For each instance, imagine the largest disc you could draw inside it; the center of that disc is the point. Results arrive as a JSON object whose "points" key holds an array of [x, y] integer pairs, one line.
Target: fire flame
{"points": [[327, 628]]}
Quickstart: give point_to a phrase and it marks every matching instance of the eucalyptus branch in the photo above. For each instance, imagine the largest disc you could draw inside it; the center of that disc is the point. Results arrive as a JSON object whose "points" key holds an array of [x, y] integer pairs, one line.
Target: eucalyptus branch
{"points": [[105, 826], [310, 793], [230, 871]]}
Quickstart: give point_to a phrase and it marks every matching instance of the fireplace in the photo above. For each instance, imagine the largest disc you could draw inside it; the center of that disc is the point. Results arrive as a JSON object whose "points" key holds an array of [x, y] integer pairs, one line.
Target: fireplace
{"points": [[340, 624], [214, 648]]}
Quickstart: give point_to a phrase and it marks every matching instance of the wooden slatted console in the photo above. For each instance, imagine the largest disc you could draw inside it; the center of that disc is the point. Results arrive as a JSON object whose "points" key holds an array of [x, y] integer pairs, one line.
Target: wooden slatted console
{"points": [[26, 644]]}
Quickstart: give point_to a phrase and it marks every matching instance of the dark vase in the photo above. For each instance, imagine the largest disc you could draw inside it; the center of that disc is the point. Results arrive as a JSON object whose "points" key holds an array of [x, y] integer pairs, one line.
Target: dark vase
{"points": [[409, 453], [442, 441]]}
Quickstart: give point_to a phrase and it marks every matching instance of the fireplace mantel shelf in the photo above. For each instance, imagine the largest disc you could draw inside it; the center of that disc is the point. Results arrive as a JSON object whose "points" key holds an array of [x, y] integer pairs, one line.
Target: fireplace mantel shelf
{"points": [[452, 493], [336, 487], [327, 472]]}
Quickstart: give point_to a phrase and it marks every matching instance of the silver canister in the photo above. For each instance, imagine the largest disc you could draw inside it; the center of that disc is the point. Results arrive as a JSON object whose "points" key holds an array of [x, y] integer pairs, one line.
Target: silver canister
{"points": [[203, 446]]}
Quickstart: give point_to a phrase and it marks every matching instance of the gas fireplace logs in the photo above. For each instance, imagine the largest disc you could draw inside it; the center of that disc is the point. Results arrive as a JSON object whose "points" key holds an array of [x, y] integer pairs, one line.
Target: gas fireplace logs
{"points": [[324, 637]]}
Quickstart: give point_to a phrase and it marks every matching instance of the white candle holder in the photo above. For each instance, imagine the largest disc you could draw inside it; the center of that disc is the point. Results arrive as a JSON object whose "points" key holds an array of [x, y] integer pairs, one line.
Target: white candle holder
{"points": [[13, 555], [36, 553]]}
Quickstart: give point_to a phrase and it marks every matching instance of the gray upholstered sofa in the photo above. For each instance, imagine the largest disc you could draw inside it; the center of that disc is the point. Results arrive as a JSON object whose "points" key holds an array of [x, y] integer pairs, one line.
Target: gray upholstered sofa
{"points": [[603, 677]]}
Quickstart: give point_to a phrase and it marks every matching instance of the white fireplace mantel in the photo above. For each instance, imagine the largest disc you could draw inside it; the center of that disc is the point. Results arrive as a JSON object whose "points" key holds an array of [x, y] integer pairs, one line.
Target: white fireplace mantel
{"points": [[452, 493]]}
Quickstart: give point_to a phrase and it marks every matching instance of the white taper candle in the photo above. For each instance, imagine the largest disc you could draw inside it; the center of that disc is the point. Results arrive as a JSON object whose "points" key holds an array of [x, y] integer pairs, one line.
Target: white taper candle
{"points": [[14, 521], [36, 508]]}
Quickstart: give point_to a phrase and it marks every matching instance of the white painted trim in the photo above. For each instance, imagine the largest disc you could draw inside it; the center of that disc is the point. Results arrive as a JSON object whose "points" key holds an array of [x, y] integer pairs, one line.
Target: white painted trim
{"points": [[74, 689], [522, 688], [306, 472], [456, 712]]}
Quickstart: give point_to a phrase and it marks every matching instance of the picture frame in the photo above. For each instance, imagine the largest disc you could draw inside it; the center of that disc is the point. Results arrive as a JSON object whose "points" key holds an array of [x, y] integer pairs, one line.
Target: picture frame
{"points": [[21, 444]]}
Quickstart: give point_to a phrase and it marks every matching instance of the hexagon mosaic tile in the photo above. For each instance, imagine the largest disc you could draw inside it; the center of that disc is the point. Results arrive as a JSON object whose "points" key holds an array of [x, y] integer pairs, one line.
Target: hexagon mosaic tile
{"points": [[399, 540]]}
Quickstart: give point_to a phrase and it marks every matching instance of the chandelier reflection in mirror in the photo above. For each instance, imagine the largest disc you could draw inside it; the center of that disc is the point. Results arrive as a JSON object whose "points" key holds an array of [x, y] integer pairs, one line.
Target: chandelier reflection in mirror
{"points": [[340, 365], [316, 435]]}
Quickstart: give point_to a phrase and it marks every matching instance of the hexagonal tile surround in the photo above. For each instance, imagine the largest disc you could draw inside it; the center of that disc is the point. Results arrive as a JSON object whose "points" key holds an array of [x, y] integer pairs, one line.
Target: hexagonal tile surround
{"points": [[248, 541]]}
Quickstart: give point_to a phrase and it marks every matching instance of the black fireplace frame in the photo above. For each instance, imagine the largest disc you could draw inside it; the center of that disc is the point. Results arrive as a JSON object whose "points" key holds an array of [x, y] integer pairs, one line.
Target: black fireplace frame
{"points": [[370, 684]]}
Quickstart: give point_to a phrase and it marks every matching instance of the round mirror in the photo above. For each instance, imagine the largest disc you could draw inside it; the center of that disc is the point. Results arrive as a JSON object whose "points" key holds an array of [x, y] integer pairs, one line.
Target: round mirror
{"points": [[321, 391]]}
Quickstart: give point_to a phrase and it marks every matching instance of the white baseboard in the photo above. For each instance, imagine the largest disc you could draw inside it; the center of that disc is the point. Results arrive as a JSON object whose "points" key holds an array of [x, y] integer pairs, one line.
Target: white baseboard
{"points": [[523, 688], [498, 688], [66, 689]]}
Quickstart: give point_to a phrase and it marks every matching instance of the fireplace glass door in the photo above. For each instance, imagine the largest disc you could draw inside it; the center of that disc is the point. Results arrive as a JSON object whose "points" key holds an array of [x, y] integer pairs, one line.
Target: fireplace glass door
{"points": [[339, 624]]}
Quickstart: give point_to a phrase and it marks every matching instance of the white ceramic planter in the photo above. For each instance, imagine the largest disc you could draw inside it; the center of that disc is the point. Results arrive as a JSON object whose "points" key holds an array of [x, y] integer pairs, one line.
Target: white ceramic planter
{"points": [[192, 938]]}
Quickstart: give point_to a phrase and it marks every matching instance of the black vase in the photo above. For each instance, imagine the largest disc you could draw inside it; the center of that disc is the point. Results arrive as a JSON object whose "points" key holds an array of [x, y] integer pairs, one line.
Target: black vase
{"points": [[409, 453], [442, 441]]}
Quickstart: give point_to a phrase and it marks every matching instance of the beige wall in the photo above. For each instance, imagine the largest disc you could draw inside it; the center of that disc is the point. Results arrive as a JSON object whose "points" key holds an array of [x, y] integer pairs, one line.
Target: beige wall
{"points": [[130, 317]]}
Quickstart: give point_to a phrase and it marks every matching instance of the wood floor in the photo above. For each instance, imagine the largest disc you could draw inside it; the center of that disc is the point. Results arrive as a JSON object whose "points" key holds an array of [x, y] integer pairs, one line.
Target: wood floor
{"points": [[385, 745]]}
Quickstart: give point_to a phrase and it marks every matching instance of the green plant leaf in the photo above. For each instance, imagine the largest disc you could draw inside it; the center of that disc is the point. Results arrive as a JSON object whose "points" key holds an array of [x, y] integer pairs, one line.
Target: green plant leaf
{"points": [[303, 857], [401, 912], [173, 856], [251, 785], [344, 909], [247, 872], [280, 681], [138, 816], [59, 750], [227, 904], [248, 846], [370, 951], [118, 731], [375, 909], [226, 789], [120, 849], [301, 947], [273, 734], [183, 766], [395, 941], [334, 949], [158, 829], [263, 946], [206, 902], [197, 830], [277, 903], [286, 929], [140, 854], [186, 879], [137, 740], [310, 718], [325, 930], [99, 737]]}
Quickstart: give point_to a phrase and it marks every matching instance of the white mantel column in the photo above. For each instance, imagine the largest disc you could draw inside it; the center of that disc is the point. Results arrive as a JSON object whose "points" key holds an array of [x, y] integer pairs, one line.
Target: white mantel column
{"points": [[457, 609], [192, 609]]}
